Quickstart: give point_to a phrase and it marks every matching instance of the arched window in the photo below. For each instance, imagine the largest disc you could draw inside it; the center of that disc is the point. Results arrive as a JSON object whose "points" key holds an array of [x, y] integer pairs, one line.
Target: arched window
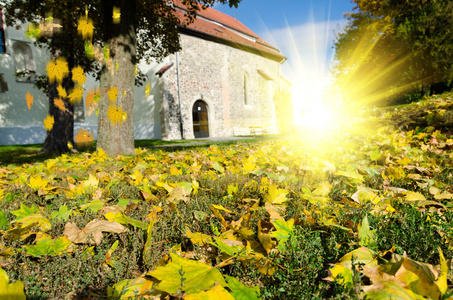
{"points": [[23, 60]]}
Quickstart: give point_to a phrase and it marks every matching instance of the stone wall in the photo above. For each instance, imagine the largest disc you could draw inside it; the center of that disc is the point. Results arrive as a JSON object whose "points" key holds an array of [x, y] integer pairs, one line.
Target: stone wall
{"points": [[215, 73]]}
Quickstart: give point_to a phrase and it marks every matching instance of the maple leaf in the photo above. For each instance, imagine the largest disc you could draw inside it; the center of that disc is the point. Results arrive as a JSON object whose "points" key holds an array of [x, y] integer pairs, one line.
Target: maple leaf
{"points": [[91, 100], [112, 93], [197, 276], [216, 293], [116, 115], [10, 290], [48, 122], [242, 292], [29, 98], [85, 28], [92, 233], [76, 94], [116, 16], [48, 246], [57, 69], [78, 75], [276, 195], [83, 136], [62, 91], [60, 104]]}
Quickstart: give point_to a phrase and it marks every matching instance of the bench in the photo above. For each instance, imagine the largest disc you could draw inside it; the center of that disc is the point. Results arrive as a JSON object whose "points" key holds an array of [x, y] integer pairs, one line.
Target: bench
{"points": [[257, 130]]}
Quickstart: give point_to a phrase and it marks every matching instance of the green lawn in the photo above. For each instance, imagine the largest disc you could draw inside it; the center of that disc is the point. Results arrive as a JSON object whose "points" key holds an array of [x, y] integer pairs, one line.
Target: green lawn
{"points": [[333, 216]]}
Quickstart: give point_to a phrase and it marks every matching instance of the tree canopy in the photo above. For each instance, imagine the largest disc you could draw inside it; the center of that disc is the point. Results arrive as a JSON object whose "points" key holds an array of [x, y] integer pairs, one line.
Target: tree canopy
{"points": [[390, 49], [125, 32]]}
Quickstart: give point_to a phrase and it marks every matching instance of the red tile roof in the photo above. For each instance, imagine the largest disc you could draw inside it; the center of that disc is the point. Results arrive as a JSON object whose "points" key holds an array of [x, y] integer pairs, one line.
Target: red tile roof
{"points": [[217, 26]]}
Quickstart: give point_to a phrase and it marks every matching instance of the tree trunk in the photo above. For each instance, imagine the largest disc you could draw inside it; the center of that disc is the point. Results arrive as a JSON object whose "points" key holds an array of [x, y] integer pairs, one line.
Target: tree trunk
{"points": [[116, 120], [62, 131]]}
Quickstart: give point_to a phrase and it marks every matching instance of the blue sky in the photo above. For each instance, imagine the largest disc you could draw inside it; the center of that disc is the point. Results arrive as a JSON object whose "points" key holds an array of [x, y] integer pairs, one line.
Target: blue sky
{"points": [[304, 31]]}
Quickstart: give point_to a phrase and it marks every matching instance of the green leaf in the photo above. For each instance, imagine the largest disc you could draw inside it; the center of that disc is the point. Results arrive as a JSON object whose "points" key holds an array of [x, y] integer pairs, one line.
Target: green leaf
{"points": [[125, 220], [284, 231], [48, 247], [3, 219], [375, 155], [241, 291], [223, 247], [366, 235], [10, 291], [94, 205], [63, 213], [24, 211], [189, 275], [218, 167]]}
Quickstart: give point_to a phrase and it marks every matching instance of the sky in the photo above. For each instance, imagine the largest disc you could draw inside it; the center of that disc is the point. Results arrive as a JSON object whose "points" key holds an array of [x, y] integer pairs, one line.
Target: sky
{"points": [[304, 31]]}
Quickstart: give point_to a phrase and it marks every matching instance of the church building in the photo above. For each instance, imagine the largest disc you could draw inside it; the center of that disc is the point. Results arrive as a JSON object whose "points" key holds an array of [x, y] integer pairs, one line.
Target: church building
{"points": [[225, 80]]}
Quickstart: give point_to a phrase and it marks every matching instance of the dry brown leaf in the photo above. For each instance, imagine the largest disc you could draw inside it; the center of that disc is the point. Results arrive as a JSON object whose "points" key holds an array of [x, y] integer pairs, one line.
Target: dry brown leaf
{"points": [[92, 233]]}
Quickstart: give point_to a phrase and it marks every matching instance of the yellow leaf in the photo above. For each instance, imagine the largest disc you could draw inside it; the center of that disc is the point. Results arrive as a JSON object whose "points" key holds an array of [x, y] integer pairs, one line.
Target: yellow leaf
{"points": [[85, 27], [83, 136], [92, 182], [275, 195], [76, 94], [216, 293], [147, 89], [10, 291], [264, 236], [48, 122], [29, 98], [78, 75], [37, 182], [57, 69], [112, 93], [116, 16], [115, 114], [59, 103], [61, 91]]}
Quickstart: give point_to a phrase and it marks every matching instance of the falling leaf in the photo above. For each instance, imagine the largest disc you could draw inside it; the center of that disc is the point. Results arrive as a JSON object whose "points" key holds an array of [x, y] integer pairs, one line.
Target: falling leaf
{"points": [[10, 291], [197, 276], [112, 93], [147, 89], [116, 16], [85, 27], [76, 94], [83, 136], [92, 233], [59, 104], [57, 69], [78, 75], [61, 91], [115, 114], [48, 122], [29, 98]]}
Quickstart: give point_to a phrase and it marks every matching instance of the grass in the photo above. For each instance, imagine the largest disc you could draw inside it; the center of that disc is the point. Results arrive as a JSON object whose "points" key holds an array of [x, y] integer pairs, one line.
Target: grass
{"points": [[312, 194], [25, 154]]}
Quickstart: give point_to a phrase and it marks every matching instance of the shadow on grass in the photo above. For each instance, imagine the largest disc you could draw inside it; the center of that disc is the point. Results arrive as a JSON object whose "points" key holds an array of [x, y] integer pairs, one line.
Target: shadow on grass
{"points": [[29, 154]]}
